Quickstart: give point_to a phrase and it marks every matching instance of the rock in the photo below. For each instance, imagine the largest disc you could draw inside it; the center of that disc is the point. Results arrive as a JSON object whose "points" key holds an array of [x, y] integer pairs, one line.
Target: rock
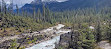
{"points": [[104, 45], [91, 27], [48, 45], [5, 44], [54, 33], [64, 40]]}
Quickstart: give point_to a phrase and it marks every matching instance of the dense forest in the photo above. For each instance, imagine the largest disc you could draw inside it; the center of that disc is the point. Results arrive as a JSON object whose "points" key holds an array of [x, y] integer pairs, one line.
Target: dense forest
{"points": [[14, 23]]}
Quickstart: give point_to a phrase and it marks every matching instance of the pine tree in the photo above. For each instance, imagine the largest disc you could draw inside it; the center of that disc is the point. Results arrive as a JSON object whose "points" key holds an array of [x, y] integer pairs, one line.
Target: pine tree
{"points": [[3, 6], [38, 15], [5, 9], [17, 9], [75, 42], [98, 31], [0, 7], [109, 31], [48, 15], [10, 8], [34, 12], [44, 13]]}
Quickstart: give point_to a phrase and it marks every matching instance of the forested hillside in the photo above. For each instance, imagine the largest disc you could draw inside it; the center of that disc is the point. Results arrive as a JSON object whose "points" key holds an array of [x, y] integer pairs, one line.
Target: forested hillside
{"points": [[19, 22], [68, 5]]}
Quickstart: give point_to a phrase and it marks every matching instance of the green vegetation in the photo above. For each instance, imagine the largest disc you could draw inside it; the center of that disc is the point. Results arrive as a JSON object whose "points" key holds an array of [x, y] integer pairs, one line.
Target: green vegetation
{"points": [[13, 45], [85, 38]]}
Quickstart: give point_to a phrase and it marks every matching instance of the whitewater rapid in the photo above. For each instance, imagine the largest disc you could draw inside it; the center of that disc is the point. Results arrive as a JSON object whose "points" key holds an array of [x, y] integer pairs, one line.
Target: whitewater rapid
{"points": [[50, 44]]}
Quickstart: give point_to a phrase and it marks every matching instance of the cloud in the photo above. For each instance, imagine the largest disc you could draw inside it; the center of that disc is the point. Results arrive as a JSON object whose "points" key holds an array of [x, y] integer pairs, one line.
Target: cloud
{"points": [[55, 0], [61, 0], [20, 3]]}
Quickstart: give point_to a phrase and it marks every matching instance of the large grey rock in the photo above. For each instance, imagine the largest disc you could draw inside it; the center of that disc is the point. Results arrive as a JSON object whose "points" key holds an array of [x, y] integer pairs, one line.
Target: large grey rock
{"points": [[64, 41]]}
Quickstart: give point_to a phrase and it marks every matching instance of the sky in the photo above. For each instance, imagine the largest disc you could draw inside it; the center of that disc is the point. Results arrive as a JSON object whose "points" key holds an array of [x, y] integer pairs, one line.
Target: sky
{"points": [[20, 3]]}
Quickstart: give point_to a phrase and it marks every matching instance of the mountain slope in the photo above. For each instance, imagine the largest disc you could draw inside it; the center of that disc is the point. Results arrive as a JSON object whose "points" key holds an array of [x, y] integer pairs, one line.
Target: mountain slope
{"points": [[69, 5]]}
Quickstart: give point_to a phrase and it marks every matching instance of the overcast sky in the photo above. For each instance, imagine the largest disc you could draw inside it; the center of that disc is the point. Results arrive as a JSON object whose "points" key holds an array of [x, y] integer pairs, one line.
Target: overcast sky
{"points": [[19, 2], [22, 2]]}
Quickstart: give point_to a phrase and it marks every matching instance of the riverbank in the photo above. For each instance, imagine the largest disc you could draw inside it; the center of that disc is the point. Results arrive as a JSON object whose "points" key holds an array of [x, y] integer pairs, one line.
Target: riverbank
{"points": [[41, 36], [103, 45], [49, 43]]}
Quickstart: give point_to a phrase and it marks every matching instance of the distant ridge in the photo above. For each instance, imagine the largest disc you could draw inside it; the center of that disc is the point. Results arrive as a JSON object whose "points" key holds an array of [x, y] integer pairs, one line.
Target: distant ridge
{"points": [[67, 5]]}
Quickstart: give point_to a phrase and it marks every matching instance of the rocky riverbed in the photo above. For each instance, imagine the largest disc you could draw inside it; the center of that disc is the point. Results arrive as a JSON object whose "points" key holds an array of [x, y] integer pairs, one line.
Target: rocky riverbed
{"points": [[42, 36], [50, 44], [104, 45]]}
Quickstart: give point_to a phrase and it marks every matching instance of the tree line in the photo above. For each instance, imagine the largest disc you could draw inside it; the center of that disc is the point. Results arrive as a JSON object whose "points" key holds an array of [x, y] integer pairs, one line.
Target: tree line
{"points": [[79, 19]]}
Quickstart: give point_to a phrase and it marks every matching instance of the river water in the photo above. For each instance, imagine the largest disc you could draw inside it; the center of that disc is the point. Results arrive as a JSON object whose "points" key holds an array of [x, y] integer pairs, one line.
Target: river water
{"points": [[50, 44]]}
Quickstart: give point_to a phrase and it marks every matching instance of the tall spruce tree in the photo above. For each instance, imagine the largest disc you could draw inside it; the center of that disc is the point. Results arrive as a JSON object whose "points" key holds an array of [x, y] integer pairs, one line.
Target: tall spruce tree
{"points": [[44, 13], [17, 9]]}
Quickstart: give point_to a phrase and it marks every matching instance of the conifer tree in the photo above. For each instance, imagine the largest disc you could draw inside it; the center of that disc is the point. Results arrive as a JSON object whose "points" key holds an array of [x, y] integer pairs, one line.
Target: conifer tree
{"points": [[10, 8], [3, 6], [98, 31], [17, 9], [44, 13], [0, 7], [34, 12], [38, 15]]}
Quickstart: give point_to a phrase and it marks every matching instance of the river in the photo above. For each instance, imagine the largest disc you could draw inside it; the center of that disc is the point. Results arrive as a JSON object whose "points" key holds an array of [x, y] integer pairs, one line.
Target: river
{"points": [[50, 44]]}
